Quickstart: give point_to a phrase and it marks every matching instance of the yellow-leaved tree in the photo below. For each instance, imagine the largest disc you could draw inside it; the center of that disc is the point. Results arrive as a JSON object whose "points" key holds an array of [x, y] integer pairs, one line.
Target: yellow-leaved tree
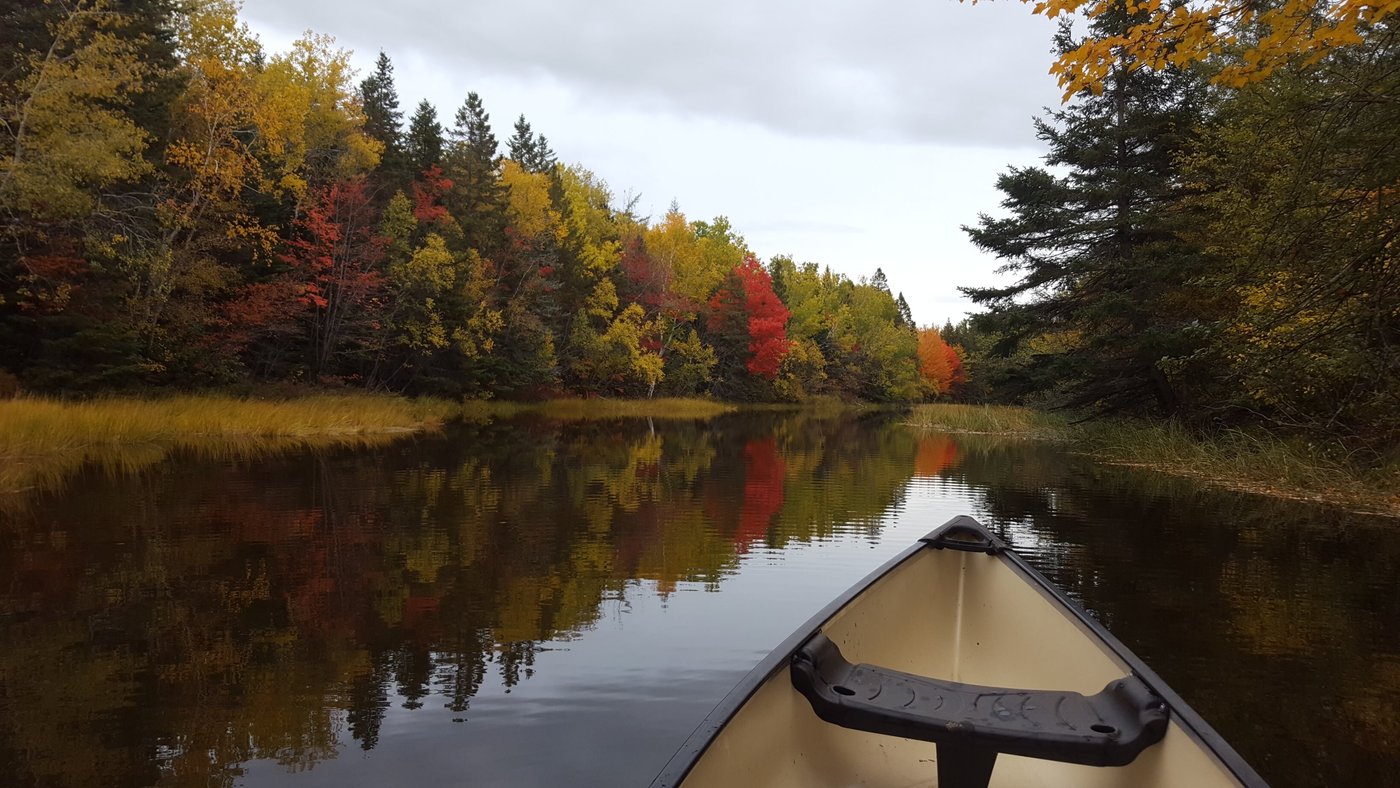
{"points": [[1257, 38], [64, 129], [310, 118]]}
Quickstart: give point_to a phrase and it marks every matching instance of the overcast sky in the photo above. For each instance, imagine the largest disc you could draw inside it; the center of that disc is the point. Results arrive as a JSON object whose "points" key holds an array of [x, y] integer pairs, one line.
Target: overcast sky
{"points": [[852, 134]]}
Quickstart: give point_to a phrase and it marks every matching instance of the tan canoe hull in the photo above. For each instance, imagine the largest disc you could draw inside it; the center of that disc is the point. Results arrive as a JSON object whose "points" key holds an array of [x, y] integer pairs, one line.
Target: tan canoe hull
{"points": [[964, 616]]}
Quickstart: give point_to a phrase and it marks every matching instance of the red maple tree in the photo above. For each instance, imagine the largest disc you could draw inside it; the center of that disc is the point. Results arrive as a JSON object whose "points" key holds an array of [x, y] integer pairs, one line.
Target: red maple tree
{"points": [[428, 194], [747, 299], [336, 259]]}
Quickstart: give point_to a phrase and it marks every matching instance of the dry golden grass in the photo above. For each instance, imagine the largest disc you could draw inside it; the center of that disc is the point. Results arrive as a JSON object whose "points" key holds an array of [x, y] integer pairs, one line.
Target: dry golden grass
{"points": [[988, 420], [587, 409], [1235, 459], [38, 426], [1244, 460], [41, 441]]}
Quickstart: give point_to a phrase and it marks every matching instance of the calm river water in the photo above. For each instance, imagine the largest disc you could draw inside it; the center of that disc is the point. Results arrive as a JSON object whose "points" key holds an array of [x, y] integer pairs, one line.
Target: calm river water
{"points": [[536, 603]]}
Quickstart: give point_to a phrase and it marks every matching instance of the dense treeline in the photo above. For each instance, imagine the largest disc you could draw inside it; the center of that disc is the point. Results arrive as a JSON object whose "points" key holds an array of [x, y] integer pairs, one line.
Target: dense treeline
{"points": [[179, 207], [1224, 256]]}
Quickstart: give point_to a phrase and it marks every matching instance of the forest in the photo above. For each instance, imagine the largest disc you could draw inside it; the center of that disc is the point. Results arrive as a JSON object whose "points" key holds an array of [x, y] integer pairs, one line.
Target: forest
{"points": [[1211, 238], [182, 209], [1213, 235]]}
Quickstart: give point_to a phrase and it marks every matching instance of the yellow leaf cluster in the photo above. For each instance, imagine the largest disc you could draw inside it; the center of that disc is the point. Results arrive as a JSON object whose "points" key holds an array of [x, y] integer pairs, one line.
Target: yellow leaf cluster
{"points": [[532, 213], [1179, 34], [67, 131], [587, 223]]}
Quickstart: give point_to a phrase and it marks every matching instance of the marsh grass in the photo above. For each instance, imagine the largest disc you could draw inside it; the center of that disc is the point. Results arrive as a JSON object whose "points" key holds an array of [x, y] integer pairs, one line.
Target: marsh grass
{"points": [[1236, 459], [1244, 460], [38, 426], [591, 409], [989, 420], [43, 441]]}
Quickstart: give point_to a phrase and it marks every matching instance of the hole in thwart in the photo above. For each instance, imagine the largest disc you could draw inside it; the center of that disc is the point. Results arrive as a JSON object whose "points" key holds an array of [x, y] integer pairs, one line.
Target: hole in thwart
{"points": [[840, 690], [1103, 728]]}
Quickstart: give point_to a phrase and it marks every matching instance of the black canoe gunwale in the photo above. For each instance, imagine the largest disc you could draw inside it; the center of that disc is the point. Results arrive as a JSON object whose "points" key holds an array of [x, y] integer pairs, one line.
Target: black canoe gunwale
{"points": [[1195, 726]]}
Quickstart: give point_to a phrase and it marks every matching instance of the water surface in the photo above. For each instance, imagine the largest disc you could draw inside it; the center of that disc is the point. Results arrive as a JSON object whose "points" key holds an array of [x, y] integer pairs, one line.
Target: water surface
{"points": [[532, 603]]}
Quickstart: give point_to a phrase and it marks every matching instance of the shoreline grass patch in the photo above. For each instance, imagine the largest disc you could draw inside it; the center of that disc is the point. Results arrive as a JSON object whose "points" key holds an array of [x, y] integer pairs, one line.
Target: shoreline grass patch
{"points": [[573, 409], [989, 420], [38, 426], [41, 441], [1247, 461]]}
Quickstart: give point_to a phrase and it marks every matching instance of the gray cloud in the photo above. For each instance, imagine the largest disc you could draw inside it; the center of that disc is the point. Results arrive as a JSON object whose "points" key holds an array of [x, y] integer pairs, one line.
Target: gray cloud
{"points": [[884, 70]]}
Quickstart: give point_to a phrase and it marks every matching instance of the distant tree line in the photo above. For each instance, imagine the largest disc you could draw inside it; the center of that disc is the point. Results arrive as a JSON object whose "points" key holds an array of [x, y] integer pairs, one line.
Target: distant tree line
{"points": [[1224, 256], [179, 207]]}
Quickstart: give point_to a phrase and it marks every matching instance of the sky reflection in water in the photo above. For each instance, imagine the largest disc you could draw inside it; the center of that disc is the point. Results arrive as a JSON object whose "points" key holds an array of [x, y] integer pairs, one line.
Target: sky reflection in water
{"points": [[536, 603]]}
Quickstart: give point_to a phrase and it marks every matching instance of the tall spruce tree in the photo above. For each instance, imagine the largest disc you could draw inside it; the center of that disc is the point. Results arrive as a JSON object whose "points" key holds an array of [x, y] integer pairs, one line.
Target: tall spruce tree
{"points": [[879, 281], [384, 122], [478, 200], [1099, 313], [544, 158], [522, 142], [424, 145], [906, 315], [529, 149]]}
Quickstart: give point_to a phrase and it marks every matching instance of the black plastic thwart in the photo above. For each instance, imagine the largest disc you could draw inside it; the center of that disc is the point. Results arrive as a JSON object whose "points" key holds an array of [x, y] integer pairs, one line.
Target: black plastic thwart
{"points": [[964, 533], [972, 724]]}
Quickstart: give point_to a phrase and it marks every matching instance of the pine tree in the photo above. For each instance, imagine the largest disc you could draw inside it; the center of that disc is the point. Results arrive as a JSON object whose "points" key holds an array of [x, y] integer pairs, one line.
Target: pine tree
{"points": [[879, 281], [530, 150], [544, 158], [906, 315], [384, 120], [1102, 261], [472, 162], [522, 143], [424, 143]]}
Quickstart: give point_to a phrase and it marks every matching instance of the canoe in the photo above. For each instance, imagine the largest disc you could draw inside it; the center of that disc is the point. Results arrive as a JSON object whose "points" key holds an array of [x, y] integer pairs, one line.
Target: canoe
{"points": [[957, 665]]}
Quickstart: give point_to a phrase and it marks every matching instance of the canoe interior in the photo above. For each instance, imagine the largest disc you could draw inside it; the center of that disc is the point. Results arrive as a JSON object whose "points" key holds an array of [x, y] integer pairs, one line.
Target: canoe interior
{"points": [[968, 617]]}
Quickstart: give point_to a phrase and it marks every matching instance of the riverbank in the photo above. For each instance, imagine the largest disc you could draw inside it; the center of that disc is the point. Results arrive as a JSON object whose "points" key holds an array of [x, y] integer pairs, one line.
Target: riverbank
{"points": [[43, 440], [589, 409], [40, 426], [1234, 459]]}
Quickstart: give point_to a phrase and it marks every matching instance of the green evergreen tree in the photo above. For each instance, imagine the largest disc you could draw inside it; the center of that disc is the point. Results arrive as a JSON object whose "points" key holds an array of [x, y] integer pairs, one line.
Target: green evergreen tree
{"points": [[906, 315], [384, 120], [544, 159], [472, 161], [424, 144], [879, 281], [531, 150], [1098, 309], [522, 143]]}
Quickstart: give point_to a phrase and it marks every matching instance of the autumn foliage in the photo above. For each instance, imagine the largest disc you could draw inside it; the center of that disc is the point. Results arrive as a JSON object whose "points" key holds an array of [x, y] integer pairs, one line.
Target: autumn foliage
{"points": [[747, 300], [936, 453], [336, 261], [1160, 34], [764, 472], [940, 366], [180, 207]]}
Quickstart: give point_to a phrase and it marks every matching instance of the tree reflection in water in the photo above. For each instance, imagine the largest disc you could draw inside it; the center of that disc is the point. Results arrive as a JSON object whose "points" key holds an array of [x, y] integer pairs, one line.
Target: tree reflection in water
{"points": [[172, 625]]}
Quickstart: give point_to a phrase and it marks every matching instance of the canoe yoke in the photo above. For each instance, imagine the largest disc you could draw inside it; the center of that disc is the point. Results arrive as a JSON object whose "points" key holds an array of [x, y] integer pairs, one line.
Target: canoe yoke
{"points": [[972, 724]]}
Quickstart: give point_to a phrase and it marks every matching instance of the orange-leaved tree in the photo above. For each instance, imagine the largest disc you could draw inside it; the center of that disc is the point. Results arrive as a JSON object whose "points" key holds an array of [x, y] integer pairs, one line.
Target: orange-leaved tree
{"points": [[940, 366]]}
